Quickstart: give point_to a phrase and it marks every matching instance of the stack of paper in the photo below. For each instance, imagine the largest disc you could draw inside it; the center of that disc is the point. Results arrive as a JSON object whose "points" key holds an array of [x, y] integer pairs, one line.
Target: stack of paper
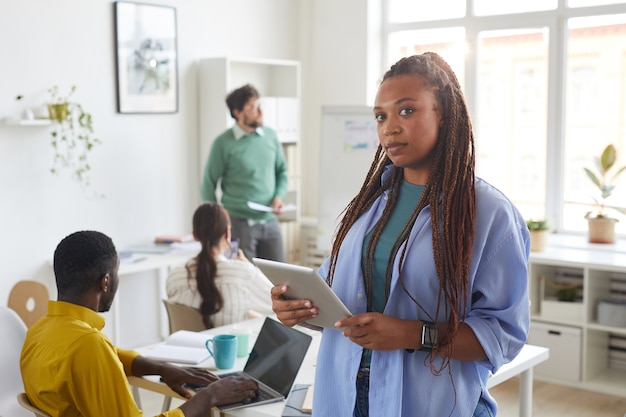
{"points": [[182, 346]]}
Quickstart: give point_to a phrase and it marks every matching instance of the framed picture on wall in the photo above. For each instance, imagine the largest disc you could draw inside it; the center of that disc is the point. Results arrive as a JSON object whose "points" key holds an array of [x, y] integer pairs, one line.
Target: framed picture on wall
{"points": [[146, 58]]}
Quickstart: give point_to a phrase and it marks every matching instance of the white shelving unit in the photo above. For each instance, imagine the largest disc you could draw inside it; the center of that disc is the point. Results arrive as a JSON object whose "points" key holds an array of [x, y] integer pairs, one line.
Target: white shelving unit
{"points": [[580, 347], [279, 84]]}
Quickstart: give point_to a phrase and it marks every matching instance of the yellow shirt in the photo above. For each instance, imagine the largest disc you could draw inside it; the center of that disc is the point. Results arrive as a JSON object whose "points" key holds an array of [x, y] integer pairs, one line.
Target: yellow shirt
{"points": [[70, 368]]}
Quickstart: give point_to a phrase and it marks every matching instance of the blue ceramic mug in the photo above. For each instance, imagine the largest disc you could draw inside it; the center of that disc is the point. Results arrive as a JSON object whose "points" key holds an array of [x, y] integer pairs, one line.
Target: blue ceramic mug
{"points": [[223, 348]]}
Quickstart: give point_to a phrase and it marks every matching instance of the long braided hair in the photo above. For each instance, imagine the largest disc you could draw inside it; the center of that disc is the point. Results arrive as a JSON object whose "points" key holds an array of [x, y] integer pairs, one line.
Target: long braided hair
{"points": [[210, 223], [449, 192]]}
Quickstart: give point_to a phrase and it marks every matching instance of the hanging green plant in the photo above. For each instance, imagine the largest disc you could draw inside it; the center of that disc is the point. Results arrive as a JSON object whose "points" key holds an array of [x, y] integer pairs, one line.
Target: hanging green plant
{"points": [[72, 136]]}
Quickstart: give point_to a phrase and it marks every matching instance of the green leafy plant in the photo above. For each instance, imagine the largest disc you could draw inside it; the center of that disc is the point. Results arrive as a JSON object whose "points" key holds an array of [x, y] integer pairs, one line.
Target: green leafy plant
{"points": [[72, 136], [604, 179], [537, 225]]}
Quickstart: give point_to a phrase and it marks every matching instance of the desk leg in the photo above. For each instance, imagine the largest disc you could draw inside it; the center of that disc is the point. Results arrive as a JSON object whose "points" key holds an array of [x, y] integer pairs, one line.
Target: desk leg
{"points": [[526, 393], [167, 403], [163, 322], [136, 396]]}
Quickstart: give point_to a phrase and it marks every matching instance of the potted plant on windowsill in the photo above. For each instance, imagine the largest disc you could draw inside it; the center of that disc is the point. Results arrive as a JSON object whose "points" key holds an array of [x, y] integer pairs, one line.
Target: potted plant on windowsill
{"points": [[72, 136], [538, 234], [601, 225]]}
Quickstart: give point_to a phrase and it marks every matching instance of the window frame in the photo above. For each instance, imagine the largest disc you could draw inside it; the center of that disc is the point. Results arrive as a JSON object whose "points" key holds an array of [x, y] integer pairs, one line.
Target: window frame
{"points": [[556, 22]]}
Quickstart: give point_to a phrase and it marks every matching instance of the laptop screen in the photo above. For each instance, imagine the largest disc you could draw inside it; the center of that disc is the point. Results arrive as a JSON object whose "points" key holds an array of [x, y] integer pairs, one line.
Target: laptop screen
{"points": [[277, 355]]}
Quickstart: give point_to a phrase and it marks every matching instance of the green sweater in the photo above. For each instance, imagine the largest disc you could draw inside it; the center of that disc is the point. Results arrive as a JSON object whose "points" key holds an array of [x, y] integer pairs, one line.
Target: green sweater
{"points": [[251, 168]]}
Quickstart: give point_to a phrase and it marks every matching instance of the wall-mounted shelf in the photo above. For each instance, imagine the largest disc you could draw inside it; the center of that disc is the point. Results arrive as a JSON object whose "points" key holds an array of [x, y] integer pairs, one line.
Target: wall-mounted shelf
{"points": [[33, 122]]}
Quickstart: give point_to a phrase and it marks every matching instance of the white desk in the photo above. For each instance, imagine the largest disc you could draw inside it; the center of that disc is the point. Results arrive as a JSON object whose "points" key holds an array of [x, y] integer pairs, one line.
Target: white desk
{"points": [[159, 264], [522, 365]]}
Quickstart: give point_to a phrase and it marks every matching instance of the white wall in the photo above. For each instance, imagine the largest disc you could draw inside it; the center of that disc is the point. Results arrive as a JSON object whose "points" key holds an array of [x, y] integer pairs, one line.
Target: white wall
{"points": [[147, 164], [336, 70]]}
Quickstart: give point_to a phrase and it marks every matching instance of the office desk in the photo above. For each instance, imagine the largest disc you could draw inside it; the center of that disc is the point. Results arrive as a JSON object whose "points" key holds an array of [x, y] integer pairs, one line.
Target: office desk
{"points": [[522, 365], [145, 272]]}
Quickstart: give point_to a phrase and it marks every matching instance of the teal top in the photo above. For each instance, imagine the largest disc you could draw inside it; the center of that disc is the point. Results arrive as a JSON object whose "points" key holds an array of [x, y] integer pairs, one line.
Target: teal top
{"points": [[250, 167], [407, 200]]}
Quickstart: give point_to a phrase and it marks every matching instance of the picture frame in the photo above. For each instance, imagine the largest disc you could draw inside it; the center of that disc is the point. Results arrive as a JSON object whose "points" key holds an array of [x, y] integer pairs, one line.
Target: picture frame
{"points": [[146, 58]]}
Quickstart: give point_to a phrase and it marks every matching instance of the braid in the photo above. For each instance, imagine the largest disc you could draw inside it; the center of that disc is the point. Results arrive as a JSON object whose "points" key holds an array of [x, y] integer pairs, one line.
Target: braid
{"points": [[449, 191], [210, 223]]}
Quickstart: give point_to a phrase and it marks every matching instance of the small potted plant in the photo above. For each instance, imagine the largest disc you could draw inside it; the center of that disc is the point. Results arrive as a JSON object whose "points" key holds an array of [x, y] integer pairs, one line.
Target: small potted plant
{"points": [[72, 135], [601, 225], [538, 234]]}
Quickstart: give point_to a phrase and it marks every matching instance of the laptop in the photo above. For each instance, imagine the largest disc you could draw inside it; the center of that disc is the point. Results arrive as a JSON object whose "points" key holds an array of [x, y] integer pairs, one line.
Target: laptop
{"points": [[273, 363]]}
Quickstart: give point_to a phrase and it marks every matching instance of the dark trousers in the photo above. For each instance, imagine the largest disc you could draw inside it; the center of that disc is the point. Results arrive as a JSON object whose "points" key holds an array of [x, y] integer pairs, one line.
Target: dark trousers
{"points": [[259, 239]]}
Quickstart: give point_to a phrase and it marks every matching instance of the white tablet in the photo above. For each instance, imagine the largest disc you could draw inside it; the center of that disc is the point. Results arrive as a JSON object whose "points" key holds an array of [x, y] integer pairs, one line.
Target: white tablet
{"points": [[305, 283]]}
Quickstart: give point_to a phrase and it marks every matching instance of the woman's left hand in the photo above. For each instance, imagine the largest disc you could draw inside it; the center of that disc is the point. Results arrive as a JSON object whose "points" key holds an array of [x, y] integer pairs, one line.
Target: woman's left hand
{"points": [[241, 256], [379, 332]]}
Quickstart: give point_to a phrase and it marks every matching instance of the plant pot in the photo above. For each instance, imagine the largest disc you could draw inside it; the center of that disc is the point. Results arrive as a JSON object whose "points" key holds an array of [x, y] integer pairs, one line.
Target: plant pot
{"points": [[538, 240], [601, 230], [57, 111]]}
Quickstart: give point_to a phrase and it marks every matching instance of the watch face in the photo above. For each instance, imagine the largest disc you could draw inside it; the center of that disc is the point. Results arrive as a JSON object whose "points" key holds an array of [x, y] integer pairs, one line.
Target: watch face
{"points": [[430, 336]]}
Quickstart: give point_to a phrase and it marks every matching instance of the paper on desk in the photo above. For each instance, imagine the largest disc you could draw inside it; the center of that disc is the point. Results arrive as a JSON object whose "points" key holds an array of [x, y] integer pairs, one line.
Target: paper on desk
{"points": [[187, 246], [182, 346], [261, 207]]}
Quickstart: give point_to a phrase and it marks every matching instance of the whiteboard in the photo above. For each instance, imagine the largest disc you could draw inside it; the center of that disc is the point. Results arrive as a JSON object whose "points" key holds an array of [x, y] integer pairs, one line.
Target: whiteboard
{"points": [[347, 146]]}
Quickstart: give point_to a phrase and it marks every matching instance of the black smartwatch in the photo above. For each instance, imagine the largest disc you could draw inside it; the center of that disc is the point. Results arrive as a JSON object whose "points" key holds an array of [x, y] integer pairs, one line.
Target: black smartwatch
{"points": [[430, 336]]}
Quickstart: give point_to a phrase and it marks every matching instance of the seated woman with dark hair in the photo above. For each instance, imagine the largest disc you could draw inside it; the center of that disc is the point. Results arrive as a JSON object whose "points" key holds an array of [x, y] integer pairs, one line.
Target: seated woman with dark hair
{"points": [[223, 290]]}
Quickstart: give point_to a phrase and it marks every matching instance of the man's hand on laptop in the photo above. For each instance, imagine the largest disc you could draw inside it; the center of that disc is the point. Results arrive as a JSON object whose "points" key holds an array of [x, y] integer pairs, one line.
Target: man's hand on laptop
{"points": [[176, 377], [233, 389], [224, 391]]}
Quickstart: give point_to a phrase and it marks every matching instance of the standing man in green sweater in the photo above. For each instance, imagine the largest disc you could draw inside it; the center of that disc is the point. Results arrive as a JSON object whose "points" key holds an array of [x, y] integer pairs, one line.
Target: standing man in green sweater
{"points": [[249, 163]]}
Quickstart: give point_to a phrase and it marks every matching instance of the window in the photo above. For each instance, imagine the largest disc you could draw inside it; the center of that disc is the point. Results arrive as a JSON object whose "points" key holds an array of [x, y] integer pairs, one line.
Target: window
{"points": [[493, 7], [545, 81], [412, 10], [595, 94]]}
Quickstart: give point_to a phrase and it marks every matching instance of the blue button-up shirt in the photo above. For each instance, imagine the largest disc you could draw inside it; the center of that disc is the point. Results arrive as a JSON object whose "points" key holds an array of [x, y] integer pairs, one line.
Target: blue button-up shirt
{"points": [[401, 383]]}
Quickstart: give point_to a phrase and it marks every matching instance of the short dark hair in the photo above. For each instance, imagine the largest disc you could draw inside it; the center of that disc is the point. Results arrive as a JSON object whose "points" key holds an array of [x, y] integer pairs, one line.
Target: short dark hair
{"points": [[81, 259], [237, 99]]}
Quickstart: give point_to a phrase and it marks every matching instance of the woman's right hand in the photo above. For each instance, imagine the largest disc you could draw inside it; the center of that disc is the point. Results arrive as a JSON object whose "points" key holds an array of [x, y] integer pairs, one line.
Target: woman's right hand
{"points": [[291, 312]]}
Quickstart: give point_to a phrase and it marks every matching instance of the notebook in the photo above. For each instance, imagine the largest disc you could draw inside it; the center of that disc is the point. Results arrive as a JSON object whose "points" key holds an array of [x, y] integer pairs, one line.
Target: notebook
{"points": [[273, 363], [182, 346]]}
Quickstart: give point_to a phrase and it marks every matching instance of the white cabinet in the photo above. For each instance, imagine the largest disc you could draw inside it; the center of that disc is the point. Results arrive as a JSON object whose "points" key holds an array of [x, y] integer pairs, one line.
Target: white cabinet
{"points": [[278, 83], [583, 352]]}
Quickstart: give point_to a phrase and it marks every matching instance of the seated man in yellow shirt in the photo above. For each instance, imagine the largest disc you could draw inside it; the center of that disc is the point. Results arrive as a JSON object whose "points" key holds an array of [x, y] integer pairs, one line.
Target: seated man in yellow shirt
{"points": [[70, 368]]}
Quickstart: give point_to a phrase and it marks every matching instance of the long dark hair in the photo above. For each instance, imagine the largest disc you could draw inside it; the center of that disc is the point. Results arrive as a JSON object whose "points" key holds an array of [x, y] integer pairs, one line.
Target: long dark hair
{"points": [[210, 223], [449, 191]]}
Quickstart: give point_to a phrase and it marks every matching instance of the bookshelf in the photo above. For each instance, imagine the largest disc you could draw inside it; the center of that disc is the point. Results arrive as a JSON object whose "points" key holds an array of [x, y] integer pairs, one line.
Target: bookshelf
{"points": [[279, 84], [584, 352]]}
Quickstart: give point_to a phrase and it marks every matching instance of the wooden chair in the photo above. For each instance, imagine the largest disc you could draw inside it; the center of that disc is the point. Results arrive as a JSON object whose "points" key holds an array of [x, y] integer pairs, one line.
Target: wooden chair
{"points": [[183, 317], [25, 402], [29, 299]]}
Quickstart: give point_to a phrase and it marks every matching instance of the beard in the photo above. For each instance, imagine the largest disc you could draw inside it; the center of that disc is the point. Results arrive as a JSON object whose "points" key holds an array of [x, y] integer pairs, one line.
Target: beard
{"points": [[253, 123]]}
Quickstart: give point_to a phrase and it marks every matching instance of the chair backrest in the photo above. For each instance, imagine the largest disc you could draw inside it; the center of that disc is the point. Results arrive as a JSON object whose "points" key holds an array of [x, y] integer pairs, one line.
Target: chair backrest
{"points": [[23, 294], [25, 402], [183, 317], [12, 334]]}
